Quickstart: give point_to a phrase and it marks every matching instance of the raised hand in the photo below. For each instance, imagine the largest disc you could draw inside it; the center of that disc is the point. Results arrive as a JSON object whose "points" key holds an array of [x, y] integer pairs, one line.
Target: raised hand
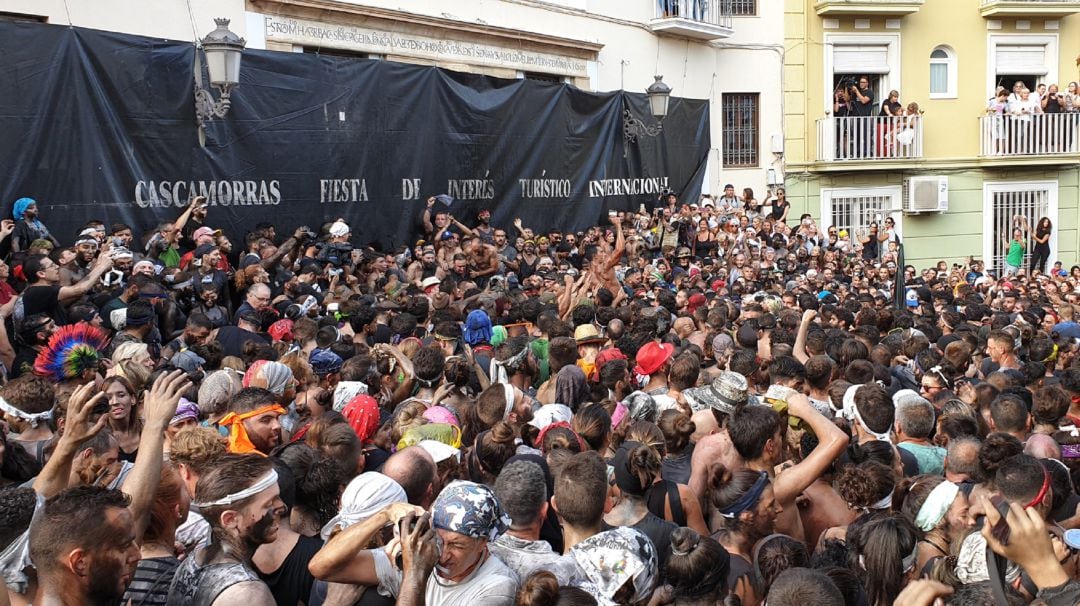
{"points": [[164, 396]]}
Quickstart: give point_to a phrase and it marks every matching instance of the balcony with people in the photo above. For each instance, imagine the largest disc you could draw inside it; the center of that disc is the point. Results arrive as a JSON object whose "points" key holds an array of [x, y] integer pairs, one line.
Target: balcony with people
{"points": [[1029, 8], [858, 131], [1042, 122], [697, 19]]}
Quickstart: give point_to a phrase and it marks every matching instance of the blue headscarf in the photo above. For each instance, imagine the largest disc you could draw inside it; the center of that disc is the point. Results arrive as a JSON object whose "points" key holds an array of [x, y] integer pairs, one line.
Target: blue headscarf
{"points": [[477, 327], [20, 207], [470, 509], [324, 362]]}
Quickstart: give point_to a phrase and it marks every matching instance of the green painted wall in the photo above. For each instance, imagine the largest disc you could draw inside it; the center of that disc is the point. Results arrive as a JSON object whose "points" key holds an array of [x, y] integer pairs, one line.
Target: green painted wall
{"points": [[953, 235]]}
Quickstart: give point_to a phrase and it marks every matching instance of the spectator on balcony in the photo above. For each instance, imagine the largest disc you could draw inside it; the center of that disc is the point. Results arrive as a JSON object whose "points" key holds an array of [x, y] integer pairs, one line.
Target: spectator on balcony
{"points": [[842, 111], [907, 128], [1017, 87], [1025, 104], [862, 106], [1051, 103], [1040, 253], [1071, 98], [891, 105], [997, 108]]}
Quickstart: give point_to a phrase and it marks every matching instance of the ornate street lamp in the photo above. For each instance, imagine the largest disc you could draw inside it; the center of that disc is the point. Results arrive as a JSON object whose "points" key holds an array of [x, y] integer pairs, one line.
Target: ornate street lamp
{"points": [[222, 49], [659, 97]]}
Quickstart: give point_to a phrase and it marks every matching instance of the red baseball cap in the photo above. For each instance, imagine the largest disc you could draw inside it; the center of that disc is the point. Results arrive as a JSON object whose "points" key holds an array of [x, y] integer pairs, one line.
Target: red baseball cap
{"points": [[652, 356]]}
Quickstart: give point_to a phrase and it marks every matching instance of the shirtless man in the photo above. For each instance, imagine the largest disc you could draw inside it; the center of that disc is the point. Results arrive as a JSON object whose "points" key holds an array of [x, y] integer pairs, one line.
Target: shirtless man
{"points": [[425, 267], [602, 265], [483, 261]]}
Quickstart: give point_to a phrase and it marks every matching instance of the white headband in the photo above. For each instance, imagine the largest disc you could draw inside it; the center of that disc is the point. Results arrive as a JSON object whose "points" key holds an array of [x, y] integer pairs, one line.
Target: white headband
{"points": [[883, 504], [851, 413], [32, 419], [265, 482], [508, 393], [497, 369], [937, 504]]}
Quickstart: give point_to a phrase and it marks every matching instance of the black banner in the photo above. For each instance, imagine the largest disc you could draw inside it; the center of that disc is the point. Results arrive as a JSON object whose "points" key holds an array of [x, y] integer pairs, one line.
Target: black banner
{"points": [[102, 125]]}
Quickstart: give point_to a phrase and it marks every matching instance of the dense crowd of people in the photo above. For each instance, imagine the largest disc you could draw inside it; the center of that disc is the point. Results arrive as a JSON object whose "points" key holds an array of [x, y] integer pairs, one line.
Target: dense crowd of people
{"points": [[707, 403]]}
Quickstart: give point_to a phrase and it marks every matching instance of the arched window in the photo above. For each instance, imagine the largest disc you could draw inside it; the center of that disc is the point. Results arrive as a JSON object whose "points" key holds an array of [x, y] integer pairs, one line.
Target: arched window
{"points": [[943, 73]]}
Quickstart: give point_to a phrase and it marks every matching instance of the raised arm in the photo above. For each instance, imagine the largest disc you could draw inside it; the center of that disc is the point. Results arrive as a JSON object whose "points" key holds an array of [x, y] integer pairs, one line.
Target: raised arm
{"points": [[345, 558], [70, 294], [141, 484], [77, 429], [800, 338], [182, 220], [426, 217], [620, 243], [791, 482]]}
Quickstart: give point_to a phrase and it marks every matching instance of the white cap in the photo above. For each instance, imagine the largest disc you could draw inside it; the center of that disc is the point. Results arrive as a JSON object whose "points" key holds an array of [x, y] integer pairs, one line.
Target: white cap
{"points": [[339, 228], [429, 282]]}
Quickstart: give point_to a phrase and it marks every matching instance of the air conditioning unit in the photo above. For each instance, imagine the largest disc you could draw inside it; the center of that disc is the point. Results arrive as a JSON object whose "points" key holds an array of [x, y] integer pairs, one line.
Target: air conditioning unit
{"points": [[927, 195]]}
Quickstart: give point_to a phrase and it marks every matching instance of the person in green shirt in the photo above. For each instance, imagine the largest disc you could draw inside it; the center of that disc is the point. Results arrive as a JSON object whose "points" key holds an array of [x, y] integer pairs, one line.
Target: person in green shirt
{"points": [[1016, 247], [162, 245]]}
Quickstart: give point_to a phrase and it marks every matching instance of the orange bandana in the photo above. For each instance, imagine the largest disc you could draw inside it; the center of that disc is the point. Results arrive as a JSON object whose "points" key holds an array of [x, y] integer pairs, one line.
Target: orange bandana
{"points": [[239, 442]]}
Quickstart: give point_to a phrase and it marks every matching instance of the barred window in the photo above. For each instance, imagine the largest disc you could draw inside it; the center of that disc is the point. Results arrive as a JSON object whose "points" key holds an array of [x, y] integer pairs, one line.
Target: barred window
{"points": [[856, 211], [1006, 202], [740, 120], [743, 8]]}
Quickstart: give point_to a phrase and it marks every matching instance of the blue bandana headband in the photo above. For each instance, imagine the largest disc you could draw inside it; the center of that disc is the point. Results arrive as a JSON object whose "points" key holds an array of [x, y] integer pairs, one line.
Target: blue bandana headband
{"points": [[749, 499]]}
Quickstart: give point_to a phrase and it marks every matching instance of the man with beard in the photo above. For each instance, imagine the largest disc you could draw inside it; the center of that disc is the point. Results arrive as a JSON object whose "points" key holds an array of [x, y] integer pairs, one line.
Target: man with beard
{"points": [[253, 421], [484, 230], [238, 497], [85, 250], [83, 545], [507, 254], [427, 266]]}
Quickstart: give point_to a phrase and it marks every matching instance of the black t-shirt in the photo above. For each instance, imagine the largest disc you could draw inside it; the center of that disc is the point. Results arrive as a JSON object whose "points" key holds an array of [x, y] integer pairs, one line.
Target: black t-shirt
{"points": [[890, 108], [291, 582], [233, 338], [23, 362], [858, 108], [44, 300], [27, 233]]}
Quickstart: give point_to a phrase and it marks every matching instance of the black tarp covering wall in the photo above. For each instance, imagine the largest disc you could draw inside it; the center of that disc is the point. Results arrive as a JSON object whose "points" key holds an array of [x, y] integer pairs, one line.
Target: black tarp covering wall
{"points": [[102, 125]]}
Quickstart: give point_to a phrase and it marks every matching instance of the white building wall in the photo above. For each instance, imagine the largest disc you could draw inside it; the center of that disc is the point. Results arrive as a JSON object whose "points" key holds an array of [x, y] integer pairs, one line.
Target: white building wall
{"points": [[747, 62]]}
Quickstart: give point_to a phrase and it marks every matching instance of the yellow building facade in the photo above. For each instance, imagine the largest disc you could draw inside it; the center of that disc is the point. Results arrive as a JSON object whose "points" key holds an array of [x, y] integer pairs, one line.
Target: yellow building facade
{"points": [[953, 175]]}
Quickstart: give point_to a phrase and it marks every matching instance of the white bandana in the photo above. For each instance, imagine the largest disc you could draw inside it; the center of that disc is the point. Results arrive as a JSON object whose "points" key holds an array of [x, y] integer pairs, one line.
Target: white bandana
{"points": [[851, 413]]}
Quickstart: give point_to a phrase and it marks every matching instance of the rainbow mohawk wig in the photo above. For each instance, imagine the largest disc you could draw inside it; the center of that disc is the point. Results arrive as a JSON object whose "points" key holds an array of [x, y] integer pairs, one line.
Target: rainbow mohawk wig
{"points": [[72, 350]]}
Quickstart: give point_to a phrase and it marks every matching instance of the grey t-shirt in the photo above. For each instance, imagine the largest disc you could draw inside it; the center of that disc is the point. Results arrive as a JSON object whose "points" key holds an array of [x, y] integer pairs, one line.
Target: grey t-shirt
{"points": [[492, 584]]}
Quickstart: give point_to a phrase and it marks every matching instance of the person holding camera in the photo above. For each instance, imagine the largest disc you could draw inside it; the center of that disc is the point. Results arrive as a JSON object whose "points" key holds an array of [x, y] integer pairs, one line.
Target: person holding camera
{"points": [[862, 106]]}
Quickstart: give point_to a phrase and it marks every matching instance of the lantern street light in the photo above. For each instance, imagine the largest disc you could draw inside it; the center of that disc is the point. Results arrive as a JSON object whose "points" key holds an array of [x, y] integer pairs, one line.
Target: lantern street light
{"points": [[222, 49], [659, 98]]}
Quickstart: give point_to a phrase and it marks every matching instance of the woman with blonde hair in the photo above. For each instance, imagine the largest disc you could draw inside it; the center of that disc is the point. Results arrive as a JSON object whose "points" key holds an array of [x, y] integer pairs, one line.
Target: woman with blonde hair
{"points": [[133, 362]]}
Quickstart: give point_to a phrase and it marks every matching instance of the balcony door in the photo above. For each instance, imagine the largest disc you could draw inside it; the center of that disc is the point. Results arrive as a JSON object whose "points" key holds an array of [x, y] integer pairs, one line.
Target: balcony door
{"points": [[876, 56]]}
